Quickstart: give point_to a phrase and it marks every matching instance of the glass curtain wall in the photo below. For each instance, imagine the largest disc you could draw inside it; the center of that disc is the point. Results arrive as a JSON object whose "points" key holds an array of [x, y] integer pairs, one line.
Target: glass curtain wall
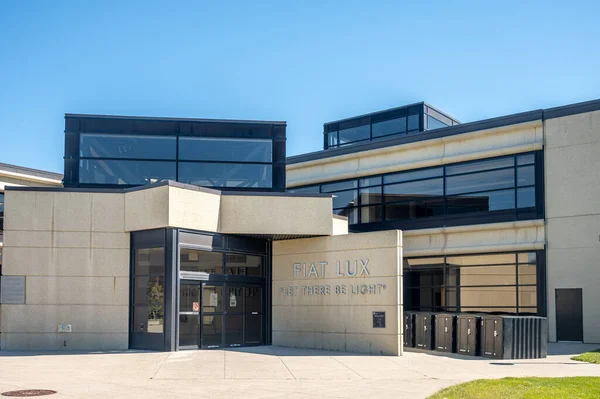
{"points": [[503, 283], [504, 186], [386, 124], [110, 159]]}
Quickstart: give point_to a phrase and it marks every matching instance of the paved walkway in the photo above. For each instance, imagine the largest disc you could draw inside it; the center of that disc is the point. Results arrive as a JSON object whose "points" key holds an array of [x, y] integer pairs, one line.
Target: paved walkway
{"points": [[266, 372]]}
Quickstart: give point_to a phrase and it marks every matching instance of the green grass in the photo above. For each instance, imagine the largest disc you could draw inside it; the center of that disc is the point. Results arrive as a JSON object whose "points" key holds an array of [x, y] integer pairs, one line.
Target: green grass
{"points": [[524, 388], [590, 357]]}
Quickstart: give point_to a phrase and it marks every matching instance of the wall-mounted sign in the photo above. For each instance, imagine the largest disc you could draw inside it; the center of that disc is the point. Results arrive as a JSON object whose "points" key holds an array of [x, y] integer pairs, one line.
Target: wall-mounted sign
{"points": [[196, 306], [64, 328], [378, 319], [232, 301], [349, 268]]}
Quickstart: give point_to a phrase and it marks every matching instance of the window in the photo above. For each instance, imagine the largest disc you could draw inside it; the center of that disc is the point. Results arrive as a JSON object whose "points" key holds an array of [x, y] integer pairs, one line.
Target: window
{"points": [[505, 282], [332, 139], [149, 291], [237, 175], [433, 123], [244, 265], [105, 171], [126, 146], [191, 260], [352, 134], [413, 123], [386, 128], [504, 186], [225, 149]]}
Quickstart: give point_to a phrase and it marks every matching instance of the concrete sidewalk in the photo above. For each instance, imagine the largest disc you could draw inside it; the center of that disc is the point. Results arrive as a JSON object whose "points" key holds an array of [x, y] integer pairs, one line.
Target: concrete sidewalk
{"points": [[267, 372]]}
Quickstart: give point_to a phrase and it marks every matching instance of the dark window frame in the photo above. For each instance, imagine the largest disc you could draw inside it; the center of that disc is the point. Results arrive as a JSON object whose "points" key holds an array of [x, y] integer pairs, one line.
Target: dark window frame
{"points": [[534, 158], [76, 126], [446, 289]]}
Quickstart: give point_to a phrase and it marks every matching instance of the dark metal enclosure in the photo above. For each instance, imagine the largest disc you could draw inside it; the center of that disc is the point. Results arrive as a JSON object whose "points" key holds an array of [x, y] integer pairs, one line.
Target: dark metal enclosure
{"points": [[514, 337], [468, 334], [409, 330], [445, 332], [424, 331]]}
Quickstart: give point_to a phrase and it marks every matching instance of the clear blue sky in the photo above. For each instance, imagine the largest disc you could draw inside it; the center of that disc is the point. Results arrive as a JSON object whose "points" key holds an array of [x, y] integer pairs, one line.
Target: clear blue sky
{"points": [[306, 62]]}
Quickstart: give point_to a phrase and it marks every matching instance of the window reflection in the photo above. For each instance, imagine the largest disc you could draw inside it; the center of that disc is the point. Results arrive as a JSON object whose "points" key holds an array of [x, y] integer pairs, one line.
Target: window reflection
{"points": [[127, 146], [105, 171], [225, 149], [503, 282], [225, 174]]}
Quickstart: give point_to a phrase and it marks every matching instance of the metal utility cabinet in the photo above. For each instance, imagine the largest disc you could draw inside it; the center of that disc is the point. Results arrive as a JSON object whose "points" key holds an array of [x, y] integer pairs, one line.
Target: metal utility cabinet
{"points": [[424, 329], [468, 334], [514, 337], [409, 330], [445, 332]]}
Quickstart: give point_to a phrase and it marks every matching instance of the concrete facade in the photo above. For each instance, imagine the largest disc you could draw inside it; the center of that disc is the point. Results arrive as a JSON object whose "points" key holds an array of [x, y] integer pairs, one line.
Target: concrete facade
{"points": [[493, 142], [570, 139], [324, 299], [572, 181], [72, 248], [73, 251]]}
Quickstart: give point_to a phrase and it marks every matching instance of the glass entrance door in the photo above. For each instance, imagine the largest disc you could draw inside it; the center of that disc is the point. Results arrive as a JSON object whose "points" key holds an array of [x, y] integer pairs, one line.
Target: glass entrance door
{"points": [[189, 314], [217, 315]]}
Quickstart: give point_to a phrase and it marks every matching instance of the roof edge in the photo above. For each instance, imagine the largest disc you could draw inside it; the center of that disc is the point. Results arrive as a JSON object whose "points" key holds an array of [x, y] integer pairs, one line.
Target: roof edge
{"points": [[174, 119]]}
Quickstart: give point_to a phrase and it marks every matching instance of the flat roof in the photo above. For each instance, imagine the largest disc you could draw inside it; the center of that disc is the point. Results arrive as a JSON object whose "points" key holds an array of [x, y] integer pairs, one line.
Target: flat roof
{"points": [[540, 114], [174, 119], [30, 171]]}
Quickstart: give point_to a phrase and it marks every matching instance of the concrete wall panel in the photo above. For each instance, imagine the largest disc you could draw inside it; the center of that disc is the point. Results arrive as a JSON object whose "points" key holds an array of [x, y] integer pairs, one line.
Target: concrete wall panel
{"points": [[462, 147], [572, 183], [324, 309]]}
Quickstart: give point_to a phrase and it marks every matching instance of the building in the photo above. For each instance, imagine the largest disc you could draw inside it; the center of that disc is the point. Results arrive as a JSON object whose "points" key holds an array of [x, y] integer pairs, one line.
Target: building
{"points": [[497, 215], [18, 176], [175, 233]]}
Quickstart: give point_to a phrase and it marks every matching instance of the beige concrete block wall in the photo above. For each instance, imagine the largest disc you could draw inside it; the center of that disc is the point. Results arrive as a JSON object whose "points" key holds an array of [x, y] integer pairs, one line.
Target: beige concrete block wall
{"points": [[572, 184], [196, 210], [247, 214], [326, 317], [73, 250], [491, 237]]}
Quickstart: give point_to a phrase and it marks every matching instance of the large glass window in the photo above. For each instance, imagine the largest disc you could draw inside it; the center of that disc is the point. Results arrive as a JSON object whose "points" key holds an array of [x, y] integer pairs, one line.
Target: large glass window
{"points": [[226, 174], [503, 185], [225, 149], [191, 260], [354, 134], [244, 265], [386, 128], [106, 171], [504, 282], [149, 291], [126, 146]]}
